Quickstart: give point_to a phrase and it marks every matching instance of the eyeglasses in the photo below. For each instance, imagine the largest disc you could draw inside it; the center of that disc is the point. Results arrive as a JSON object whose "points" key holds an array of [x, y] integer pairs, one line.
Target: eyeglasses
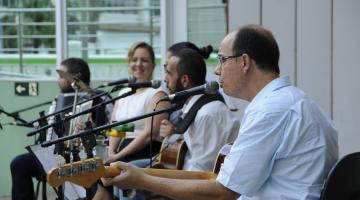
{"points": [[222, 59]]}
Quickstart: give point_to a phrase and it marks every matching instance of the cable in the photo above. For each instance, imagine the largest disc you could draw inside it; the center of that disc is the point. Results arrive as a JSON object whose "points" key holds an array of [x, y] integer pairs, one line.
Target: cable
{"points": [[151, 133]]}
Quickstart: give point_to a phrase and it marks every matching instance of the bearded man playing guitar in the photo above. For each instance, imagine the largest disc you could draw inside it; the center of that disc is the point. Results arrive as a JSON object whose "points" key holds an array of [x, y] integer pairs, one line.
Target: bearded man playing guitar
{"points": [[213, 125]]}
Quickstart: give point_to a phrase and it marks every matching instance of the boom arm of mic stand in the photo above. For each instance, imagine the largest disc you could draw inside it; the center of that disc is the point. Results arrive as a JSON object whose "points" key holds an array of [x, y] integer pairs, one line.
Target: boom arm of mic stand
{"points": [[14, 116], [80, 113], [105, 127], [67, 108], [29, 108]]}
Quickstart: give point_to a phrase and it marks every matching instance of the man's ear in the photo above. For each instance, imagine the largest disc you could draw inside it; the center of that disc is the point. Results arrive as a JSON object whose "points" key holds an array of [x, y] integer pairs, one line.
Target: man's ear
{"points": [[245, 62], [185, 81]]}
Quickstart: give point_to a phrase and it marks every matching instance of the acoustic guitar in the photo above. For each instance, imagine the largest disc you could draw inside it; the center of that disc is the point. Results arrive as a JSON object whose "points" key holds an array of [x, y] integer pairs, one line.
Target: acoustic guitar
{"points": [[172, 153], [87, 172]]}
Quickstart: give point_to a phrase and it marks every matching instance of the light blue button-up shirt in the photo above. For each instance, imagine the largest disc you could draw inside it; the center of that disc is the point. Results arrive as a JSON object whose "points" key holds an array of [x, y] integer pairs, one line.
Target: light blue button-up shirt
{"points": [[285, 147]]}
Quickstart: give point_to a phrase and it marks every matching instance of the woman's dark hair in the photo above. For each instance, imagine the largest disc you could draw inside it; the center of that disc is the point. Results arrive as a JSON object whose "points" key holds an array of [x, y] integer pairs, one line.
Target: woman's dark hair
{"points": [[260, 45], [78, 68], [203, 51], [191, 63], [144, 45]]}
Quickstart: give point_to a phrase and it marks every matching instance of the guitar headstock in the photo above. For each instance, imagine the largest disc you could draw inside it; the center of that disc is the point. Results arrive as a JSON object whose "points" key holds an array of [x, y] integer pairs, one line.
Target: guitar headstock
{"points": [[84, 173]]}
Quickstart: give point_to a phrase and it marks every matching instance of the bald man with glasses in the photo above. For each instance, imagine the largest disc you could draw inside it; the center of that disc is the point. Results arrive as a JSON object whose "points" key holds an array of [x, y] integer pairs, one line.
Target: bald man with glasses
{"points": [[286, 144]]}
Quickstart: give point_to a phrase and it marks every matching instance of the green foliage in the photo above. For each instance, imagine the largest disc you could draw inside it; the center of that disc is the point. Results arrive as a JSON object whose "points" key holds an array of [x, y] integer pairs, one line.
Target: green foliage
{"points": [[28, 26], [36, 17], [31, 30], [9, 30]]}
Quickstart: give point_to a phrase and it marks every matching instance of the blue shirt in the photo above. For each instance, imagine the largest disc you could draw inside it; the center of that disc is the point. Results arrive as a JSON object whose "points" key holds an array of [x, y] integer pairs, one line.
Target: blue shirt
{"points": [[285, 147]]}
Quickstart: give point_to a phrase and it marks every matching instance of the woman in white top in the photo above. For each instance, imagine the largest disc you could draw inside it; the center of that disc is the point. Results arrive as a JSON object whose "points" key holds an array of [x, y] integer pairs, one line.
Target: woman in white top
{"points": [[141, 60]]}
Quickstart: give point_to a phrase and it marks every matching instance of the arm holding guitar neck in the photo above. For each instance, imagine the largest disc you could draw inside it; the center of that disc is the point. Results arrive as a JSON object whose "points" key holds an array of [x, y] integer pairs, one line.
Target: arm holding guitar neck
{"points": [[87, 172], [175, 184], [112, 171]]}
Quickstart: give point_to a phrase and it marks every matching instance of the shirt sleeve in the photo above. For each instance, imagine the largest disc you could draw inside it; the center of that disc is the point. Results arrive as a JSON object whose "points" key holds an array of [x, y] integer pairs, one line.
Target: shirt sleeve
{"points": [[252, 156]]}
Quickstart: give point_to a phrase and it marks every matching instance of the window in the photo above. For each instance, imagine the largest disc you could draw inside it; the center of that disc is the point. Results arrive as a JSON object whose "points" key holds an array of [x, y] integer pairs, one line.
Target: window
{"points": [[102, 32], [207, 24], [27, 37], [99, 31]]}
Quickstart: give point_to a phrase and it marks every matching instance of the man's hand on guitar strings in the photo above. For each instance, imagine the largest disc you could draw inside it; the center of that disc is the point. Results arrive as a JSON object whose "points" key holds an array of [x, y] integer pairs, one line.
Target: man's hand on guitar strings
{"points": [[128, 178]]}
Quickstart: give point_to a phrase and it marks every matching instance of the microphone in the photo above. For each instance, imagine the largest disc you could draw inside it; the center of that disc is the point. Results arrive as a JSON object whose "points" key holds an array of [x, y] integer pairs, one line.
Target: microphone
{"points": [[208, 88], [131, 79], [153, 83]]}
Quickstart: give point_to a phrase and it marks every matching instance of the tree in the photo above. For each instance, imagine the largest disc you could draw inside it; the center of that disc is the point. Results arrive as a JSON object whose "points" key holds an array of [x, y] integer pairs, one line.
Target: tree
{"points": [[32, 30]]}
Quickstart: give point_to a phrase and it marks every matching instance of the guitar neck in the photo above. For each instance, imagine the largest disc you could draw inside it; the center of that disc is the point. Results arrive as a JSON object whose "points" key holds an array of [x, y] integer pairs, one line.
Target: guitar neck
{"points": [[111, 171], [86, 173]]}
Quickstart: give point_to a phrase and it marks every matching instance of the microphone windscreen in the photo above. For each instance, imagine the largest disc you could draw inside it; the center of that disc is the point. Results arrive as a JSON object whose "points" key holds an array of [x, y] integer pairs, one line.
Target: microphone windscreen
{"points": [[211, 87]]}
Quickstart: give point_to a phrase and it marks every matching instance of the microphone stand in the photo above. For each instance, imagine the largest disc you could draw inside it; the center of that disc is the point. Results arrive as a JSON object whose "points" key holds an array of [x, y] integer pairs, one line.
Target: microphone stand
{"points": [[75, 86], [72, 125], [105, 127], [83, 112], [74, 153]]}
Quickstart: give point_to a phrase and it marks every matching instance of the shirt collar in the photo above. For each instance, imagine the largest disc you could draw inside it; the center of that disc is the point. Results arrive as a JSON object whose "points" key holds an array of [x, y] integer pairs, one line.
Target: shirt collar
{"points": [[268, 89], [188, 105]]}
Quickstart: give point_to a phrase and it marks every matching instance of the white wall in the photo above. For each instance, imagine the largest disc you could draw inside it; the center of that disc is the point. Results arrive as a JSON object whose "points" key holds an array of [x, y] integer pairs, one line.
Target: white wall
{"points": [[319, 44], [346, 82]]}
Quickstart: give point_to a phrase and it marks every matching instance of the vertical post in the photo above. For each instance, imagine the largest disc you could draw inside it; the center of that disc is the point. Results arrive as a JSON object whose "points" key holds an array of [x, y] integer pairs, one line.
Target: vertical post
{"points": [[84, 30], [180, 20], [165, 35], [20, 35], [151, 26], [61, 49], [61, 31], [173, 20]]}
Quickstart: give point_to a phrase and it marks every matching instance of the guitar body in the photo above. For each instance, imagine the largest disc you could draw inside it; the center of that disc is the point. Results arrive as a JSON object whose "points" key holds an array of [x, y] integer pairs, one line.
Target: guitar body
{"points": [[224, 151], [172, 153]]}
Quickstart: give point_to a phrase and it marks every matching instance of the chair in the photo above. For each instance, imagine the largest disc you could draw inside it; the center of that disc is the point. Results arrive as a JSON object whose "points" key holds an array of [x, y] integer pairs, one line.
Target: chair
{"points": [[343, 181], [41, 181]]}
